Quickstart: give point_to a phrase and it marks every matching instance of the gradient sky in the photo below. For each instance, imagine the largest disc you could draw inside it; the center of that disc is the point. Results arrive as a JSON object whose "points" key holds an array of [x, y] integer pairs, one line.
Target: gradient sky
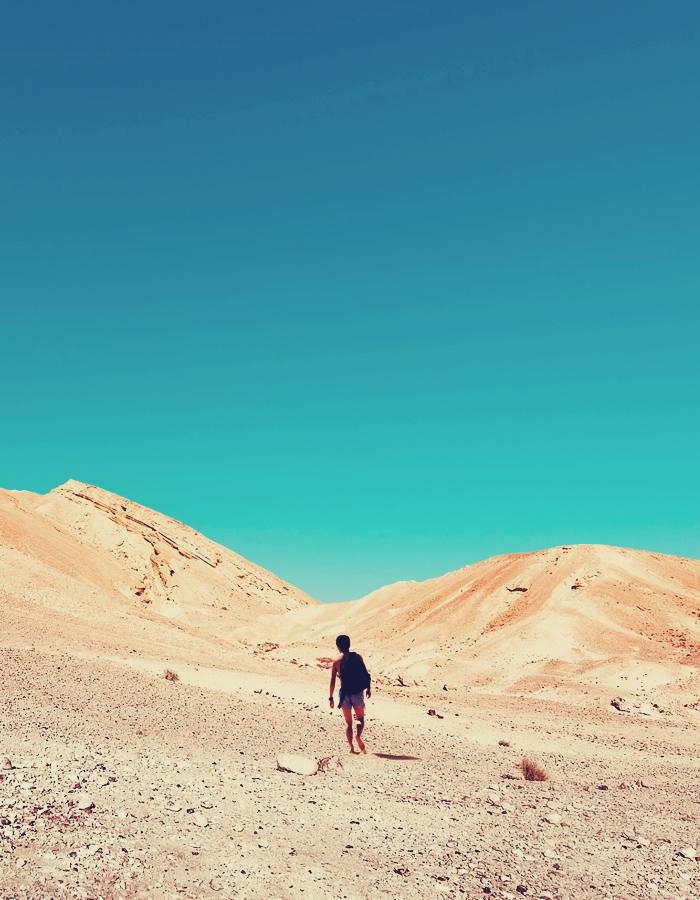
{"points": [[364, 291]]}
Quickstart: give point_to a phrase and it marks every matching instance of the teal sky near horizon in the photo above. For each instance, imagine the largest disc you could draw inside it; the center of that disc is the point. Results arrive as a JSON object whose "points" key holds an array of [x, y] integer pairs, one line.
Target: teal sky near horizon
{"points": [[363, 293]]}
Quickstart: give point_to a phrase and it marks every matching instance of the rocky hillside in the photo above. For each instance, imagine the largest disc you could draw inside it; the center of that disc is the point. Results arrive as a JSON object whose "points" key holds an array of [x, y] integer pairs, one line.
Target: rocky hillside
{"points": [[81, 564], [583, 615], [88, 558]]}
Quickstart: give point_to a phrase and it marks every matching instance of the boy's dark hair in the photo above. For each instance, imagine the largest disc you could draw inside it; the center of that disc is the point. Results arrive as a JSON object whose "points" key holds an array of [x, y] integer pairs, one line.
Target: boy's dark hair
{"points": [[342, 642]]}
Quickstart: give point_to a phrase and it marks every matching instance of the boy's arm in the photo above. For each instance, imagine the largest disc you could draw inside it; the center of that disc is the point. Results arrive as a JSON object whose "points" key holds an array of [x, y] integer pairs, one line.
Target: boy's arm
{"points": [[334, 672], [368, 690]]}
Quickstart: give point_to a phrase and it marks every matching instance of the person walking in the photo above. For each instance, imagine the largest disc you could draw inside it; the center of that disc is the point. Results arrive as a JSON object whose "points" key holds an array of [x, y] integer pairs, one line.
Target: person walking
{"points": [[355, 684]]}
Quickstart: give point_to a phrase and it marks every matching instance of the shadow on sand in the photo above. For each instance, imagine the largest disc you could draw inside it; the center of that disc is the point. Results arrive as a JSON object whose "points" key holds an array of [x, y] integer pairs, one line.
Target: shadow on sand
{"points": [[395, 756]]}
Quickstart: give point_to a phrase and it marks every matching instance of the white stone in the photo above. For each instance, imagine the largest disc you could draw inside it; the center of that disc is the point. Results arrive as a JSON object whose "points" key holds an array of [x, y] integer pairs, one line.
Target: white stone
{"points": [[84, 801], [300, 765]]}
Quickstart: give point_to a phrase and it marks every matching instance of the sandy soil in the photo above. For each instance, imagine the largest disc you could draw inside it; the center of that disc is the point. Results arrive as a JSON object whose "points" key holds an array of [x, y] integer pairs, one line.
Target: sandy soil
{"points": [[120, 783], [188, 800]]}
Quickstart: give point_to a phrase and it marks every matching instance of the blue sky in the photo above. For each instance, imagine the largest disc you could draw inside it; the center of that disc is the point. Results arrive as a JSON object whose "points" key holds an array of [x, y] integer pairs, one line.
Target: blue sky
{"points": [[365, 292]]}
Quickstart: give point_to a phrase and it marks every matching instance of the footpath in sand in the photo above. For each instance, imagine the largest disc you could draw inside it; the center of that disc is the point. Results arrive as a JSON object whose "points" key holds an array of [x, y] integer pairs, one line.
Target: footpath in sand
{"points": [[127, 785]]}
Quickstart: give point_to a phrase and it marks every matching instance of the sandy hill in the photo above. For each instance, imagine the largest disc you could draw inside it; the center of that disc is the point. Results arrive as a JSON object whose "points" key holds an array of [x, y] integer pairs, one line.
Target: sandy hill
{"points": [[81, 561], [568, 616], [82, 566]]}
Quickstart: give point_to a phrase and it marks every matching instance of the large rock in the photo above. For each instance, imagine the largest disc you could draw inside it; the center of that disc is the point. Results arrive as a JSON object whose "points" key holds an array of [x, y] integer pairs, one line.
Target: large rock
{"points": [[622, 704], [300, 765]]}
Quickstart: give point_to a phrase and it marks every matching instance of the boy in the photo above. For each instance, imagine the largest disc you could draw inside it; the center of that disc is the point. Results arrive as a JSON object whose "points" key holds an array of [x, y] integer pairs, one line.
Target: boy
{"points": [[354, 681]]}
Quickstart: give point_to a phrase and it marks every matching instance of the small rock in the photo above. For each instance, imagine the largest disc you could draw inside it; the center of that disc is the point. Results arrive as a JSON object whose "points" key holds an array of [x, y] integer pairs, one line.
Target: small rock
{"points": [[200, 821], [300, 765], [504, 743], [84, 801], [688, 853], [634, 838], [553, 818], [6, 764]]}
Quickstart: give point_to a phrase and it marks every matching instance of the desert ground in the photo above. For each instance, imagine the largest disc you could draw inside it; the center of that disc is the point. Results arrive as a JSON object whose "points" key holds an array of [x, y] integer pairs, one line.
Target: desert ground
{"points": [[116, 781]]}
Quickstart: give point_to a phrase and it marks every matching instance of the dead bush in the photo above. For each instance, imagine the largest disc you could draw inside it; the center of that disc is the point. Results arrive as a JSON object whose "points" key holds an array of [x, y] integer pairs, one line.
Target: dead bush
{"points": [[532, 772], [169, 675]]}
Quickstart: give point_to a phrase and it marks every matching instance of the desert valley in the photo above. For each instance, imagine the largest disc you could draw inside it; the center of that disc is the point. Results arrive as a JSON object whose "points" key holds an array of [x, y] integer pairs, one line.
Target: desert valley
{"points": [[117, 781]]}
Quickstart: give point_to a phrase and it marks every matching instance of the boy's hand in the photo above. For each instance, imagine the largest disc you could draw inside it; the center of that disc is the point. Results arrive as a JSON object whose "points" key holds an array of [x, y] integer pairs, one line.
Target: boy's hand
{"points": [[331, 702], [368, 692]]}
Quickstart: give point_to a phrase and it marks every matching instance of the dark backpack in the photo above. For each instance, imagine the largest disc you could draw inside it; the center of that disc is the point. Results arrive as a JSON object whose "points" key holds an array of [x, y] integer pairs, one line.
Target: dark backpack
{"points": [[354, 677]]}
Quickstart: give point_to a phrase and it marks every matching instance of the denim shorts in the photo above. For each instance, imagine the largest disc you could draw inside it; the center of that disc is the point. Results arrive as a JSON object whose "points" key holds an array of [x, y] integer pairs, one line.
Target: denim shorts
{"points": [[356, 700]]}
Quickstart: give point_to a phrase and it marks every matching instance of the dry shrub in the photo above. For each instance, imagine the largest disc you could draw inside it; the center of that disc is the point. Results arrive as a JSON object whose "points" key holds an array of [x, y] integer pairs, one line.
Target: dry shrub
{"points": [[532, 772], [330, 765], [169, 675]]}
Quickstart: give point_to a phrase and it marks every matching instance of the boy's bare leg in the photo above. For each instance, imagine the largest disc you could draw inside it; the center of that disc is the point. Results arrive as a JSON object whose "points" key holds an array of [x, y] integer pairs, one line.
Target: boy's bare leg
{"points": [[360, 717], [348, 729]]}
